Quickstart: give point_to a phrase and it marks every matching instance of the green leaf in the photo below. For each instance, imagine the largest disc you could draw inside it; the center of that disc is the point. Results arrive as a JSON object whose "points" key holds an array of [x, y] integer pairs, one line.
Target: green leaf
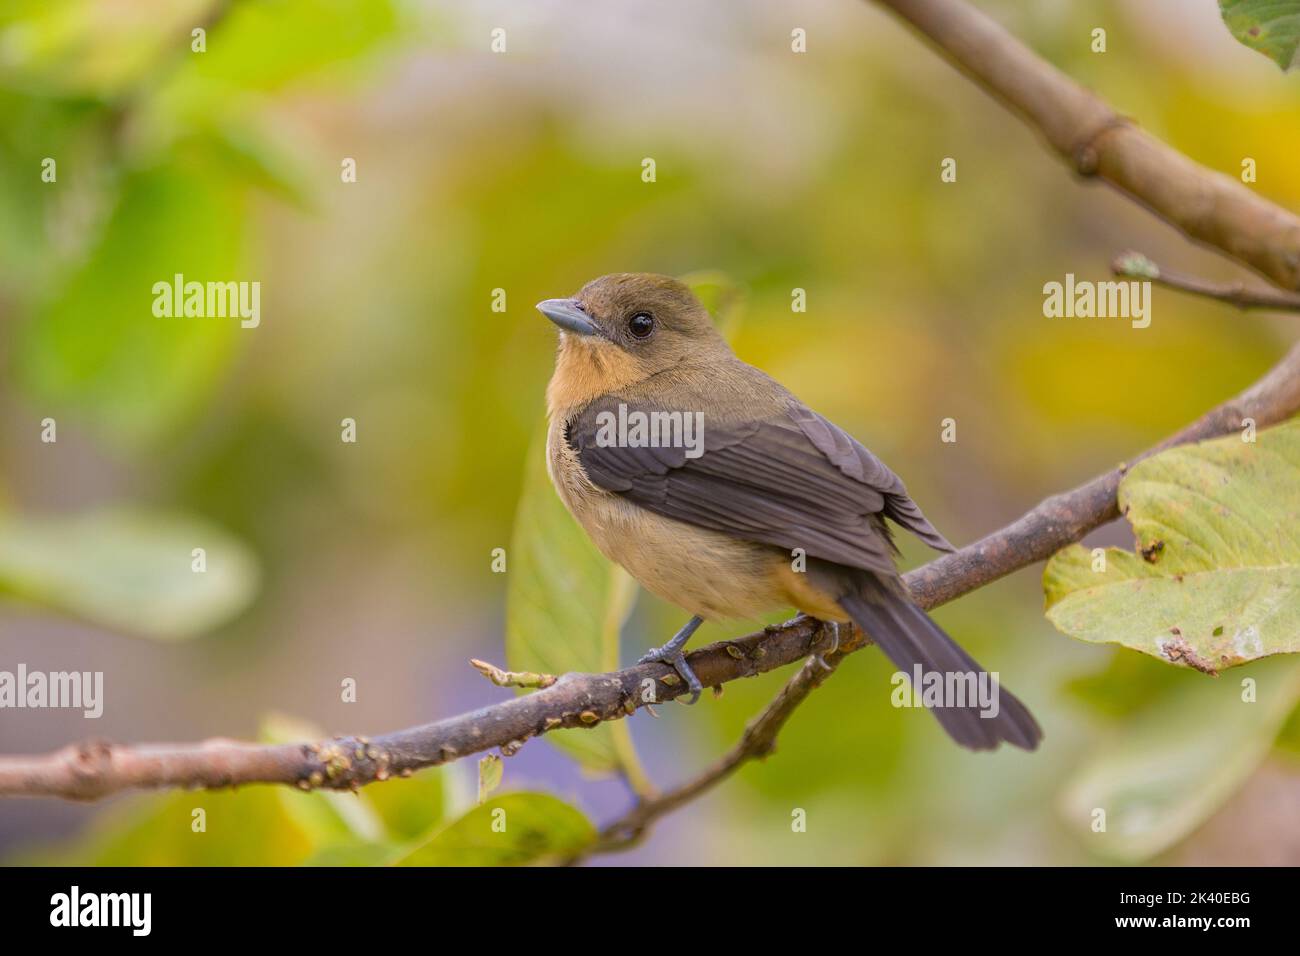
{"points": [[410, 807], [356, 854], [721, 295], [1288, 738], [1125, 684], [1271, 27], [89, 48], [98, 355], [512, 830], [131, 571], [327, 817], [1215, 580], [1178, 761], [268, 46], [244, 828], [372, 827], [490, 771], [565, 606], [261, 155]]}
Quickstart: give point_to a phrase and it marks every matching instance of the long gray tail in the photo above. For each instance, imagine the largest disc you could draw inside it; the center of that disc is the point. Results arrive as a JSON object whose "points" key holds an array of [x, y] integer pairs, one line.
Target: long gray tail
{"points": [[908, 637]]}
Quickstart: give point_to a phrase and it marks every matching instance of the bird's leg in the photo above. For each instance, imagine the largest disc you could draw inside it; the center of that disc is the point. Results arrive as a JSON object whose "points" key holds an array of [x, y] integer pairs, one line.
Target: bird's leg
{"points": [[671, 653], [820, 656]]}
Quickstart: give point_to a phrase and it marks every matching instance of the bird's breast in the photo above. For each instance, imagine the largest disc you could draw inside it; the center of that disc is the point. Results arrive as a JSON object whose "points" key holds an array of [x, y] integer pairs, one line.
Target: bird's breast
{"points": [[705, 572]]}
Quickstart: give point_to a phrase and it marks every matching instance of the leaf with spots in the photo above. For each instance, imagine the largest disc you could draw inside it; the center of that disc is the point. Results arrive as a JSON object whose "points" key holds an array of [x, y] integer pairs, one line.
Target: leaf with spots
{"points": [[565, 607], [1271, 27], [1214, 580]]}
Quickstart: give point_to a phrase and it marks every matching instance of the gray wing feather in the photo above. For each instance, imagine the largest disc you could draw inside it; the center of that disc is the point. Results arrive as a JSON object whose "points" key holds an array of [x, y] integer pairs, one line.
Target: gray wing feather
{"points": [[795, 483], [854, 460]]}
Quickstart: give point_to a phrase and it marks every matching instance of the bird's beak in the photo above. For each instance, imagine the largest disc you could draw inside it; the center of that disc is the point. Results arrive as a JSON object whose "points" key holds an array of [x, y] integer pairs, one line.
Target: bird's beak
{"points": [[567, 315]]}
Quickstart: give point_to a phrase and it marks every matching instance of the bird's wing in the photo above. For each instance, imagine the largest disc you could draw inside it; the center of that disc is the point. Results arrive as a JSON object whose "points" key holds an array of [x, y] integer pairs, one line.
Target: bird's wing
{"points": [[793, 481]]}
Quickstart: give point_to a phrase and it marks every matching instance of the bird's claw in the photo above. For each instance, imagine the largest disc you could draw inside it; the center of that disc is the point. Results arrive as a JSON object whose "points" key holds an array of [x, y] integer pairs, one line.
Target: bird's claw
{"points": [[675, 659], [820, 655]]}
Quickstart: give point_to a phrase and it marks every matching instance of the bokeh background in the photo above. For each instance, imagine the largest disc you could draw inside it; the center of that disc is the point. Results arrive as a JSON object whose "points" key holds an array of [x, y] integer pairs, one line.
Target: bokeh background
{"points": [[522, 171]]}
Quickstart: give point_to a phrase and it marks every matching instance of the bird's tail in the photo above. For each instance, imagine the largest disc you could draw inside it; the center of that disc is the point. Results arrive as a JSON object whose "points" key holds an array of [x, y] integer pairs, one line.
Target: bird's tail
{"points": [[912, 640]]}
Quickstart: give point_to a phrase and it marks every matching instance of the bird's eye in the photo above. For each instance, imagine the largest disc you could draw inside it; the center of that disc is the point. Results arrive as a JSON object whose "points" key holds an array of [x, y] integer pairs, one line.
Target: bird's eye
{"points": [[641, 324]]}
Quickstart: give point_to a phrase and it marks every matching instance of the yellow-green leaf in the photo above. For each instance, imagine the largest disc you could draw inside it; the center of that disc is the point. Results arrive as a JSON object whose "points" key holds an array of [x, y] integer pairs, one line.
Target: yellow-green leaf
{"points": [[490, 771], [1215, 577], [721, 296], [1175, 763], [565, 606], [97, 356], [385, 815], [131, 571], [203, 828], [512, 830]]}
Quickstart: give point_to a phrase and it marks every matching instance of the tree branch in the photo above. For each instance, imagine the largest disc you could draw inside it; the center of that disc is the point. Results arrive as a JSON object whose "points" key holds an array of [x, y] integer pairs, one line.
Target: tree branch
{"points": [[758, 741], [94, 769], [1207, 206], [1134, 265]]}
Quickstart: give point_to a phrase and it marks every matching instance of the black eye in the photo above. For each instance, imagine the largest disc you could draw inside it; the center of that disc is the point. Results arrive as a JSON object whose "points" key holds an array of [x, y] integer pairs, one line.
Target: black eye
{"points": [[641, 324]]}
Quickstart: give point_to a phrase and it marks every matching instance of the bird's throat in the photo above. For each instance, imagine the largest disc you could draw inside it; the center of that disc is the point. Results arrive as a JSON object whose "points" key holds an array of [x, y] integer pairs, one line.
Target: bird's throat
{"points": [[585, 369]]}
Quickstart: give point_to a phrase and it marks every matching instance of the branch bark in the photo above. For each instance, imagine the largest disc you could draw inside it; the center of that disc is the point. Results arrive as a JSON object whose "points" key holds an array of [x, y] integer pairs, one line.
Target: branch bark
{"points": [[94, 769], [1095, 140]]}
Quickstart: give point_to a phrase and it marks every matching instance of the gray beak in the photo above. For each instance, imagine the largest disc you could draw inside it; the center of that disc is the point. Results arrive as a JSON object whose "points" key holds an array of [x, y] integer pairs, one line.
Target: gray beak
{"points": [[566, 314]]}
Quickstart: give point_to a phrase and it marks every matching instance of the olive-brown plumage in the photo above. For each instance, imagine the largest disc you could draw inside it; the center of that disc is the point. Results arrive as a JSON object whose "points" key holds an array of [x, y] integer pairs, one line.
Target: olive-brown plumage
{"points": [[718, 524]]}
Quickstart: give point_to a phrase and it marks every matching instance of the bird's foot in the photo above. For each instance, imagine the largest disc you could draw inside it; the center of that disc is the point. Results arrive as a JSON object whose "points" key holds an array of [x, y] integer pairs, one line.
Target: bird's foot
{"points": [[819, 655], [673, 655], [677, 661]]}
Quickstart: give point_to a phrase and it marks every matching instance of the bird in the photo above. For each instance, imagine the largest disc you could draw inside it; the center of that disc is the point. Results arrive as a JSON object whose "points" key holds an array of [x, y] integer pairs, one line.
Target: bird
{"points": [[721, 492]]}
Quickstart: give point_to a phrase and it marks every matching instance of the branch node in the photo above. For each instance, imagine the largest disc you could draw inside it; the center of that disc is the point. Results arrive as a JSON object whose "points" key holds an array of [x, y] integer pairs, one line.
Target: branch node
{"points": [[1086, 156], [503, 678]]}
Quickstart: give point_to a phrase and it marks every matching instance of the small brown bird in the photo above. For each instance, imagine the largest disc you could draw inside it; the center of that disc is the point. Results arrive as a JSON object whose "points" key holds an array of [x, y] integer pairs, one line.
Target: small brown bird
{"points": [[708, 482]]}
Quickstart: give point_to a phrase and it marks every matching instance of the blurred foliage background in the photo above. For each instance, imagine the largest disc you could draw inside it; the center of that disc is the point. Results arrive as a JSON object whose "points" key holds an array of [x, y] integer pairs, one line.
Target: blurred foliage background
{"points": [[522, 171]]}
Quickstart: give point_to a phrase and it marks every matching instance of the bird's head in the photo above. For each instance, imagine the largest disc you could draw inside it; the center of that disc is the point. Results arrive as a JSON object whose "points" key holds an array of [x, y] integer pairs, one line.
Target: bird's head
{"points": [[622, 328]]}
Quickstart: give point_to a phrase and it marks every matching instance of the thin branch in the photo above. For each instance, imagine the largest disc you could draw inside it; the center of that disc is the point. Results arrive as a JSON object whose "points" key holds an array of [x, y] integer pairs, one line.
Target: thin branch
{"points": [[1207, 206], [1134, 265], [758, 741], [95, 769]]}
